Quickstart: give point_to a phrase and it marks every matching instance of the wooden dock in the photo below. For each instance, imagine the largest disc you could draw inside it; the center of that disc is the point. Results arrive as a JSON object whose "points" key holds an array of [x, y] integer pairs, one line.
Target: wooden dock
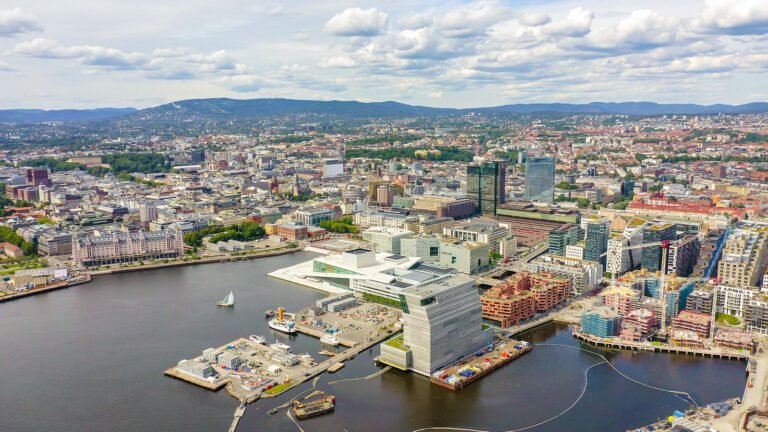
{"points": [[668, 349]]}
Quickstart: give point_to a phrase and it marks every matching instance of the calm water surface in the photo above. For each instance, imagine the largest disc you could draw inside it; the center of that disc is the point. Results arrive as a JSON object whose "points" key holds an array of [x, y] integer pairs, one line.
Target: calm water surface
{"points": [[90, 358]]}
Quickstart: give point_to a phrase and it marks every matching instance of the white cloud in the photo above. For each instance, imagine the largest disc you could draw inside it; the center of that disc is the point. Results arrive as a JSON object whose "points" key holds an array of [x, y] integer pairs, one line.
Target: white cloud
{"points": [[357, 22], [97, 56], [241, 83], [534, 19], [16, 21], [338, 62], [578, 22], [735, 16]]}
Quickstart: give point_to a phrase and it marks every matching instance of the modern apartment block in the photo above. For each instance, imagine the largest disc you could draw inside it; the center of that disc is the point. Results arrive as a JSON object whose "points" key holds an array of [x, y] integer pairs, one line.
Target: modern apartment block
{"points": [[745, 255], [522, 295], [486, 186], [700, 301], [696, 322], [121, 247], [638, 325], [756, 316], [655, 233], [584, 275], [601, 322], [683, 255], [540, 179], [386, 240], [442, 324]]}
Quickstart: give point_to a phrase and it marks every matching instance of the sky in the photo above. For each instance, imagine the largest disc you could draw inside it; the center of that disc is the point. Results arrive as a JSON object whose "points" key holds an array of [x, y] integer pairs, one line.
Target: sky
{"points": [[85, 54]]}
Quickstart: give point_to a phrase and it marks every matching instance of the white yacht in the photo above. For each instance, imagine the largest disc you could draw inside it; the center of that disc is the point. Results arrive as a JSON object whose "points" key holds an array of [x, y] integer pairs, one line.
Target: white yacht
{"points": [[329, 339], [258, 339]]}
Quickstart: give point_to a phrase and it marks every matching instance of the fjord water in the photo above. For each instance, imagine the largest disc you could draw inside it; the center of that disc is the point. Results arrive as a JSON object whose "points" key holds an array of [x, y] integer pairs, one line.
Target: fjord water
{"points": [[90, 358]]}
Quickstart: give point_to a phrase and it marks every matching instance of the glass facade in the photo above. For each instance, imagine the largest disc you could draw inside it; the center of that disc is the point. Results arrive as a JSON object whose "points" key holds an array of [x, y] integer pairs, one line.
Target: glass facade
{"points": [[486, 186], [540, 179]]}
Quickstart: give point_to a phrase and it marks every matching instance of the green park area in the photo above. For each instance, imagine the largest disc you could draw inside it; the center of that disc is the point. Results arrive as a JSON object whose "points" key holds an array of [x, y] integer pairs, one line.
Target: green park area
{"points": [[722, 318]]}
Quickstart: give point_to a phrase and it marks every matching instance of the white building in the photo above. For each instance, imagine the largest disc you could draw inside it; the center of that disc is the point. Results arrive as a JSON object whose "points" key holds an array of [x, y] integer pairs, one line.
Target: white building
{"points": [[479, 231], [575, 251], [585, 275], [426, 247], [333, 168], [386, 240], [620, 258], [734, 300]]}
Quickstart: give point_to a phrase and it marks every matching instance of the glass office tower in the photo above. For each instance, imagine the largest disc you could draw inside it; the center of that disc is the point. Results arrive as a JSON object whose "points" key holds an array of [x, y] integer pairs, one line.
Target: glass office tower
{"points": [[540, 179]]}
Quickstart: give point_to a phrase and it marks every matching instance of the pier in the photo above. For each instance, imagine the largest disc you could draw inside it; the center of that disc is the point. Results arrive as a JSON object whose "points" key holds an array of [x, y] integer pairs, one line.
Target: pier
{"points": [[667, 349]]}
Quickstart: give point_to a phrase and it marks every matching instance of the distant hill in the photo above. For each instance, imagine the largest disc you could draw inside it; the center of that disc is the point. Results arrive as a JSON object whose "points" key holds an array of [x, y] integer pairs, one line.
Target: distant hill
{"points": [[67, 115], [254, 108], [630, 108], [245, 109]]}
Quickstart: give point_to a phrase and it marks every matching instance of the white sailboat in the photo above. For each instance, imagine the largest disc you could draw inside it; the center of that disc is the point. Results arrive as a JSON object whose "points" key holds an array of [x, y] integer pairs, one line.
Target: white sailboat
{"points": [[228, 301]]}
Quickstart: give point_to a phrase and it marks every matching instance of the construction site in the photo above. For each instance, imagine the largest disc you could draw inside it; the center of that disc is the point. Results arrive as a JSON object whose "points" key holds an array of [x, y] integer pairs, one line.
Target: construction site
{"points": [[479, 364]]}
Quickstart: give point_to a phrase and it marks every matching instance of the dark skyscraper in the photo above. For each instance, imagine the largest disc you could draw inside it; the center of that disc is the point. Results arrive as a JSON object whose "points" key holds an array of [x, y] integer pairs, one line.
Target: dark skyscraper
{"points": [[598, 232], [485, 186], [540, 179], [652, 256]]}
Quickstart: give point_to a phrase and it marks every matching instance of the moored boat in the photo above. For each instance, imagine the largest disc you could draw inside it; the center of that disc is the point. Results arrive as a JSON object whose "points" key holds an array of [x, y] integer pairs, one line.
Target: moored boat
{"points": [[304, 410], [329, 339], [282, 324], [280, 346], [258, 339]]}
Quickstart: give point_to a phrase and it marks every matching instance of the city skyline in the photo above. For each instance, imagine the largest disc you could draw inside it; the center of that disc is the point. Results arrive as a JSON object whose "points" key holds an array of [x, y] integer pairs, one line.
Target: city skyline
{"points": [[459, 54]]}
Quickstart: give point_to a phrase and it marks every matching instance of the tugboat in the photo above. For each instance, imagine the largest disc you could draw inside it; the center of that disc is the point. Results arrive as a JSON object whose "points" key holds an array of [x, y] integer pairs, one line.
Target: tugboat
{"points": [[281, 324], [304, 410]]}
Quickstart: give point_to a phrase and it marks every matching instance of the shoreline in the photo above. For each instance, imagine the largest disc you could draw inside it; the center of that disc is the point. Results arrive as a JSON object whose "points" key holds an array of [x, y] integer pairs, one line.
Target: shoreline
{"points": [[209, 260], [53, 287]]}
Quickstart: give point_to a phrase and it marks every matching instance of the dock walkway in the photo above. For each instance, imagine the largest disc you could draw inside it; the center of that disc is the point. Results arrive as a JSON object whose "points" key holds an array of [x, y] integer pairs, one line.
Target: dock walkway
{"points": [[633, 346]]}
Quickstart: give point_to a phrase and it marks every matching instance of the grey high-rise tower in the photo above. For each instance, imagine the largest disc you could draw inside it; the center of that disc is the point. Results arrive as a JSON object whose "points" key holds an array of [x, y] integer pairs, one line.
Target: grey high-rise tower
{"points": [[540, 179]]}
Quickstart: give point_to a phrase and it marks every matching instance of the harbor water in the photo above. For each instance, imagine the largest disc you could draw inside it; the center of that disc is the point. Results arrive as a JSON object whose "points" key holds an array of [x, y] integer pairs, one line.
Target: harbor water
{"points": [[91, 358]]}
